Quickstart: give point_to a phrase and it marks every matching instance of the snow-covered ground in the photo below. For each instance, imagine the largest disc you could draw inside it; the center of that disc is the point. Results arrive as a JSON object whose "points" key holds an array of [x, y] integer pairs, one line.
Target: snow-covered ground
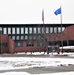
{"points": [[27, 62], [25, 73]]}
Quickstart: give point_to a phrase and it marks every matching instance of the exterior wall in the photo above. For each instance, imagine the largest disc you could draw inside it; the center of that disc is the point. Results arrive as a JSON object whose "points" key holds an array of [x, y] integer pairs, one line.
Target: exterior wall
{"points": [[4, 39], [25, 48], [68, 34], [11, 45]]}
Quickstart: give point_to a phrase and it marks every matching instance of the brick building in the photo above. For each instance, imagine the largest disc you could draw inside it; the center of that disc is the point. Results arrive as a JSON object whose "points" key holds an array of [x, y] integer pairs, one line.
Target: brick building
{"points": [[35, 37]]}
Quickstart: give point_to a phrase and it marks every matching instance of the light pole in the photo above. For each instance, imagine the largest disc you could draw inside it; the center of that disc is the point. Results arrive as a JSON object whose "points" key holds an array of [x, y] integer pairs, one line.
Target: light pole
{"points": [[1, 38]]}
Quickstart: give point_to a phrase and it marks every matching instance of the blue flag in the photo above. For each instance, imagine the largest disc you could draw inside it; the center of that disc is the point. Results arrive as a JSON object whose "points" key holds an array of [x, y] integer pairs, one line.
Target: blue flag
{"points": [[58, 11]]}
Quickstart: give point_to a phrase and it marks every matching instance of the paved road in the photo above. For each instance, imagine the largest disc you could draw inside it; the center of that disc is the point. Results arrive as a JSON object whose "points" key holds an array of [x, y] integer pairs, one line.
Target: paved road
{"points": [[37, 70]]}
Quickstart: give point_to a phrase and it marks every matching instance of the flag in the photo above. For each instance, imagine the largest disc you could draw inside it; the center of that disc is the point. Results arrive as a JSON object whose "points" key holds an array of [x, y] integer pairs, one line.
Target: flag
{"points": [[42, 15], [58, 11]]}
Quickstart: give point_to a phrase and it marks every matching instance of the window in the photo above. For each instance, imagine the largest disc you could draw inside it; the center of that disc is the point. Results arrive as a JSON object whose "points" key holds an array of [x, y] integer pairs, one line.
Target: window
{"points": [[26, 30], [30, 30], [22, 30], [71, 42], [17, 30], [63, 28], [18, 44], [51, 29], [5, 30], [17, 37], [34, 37], [30, 44], [43, 29], [39, 30], [34, 30], [9, 30], [40, 44], [64, 43], [13, 30], [47, 30], [4, 44], [30, 37], [13, 37], [59, 29], [22, 37], [26, 37], [55, 29]]}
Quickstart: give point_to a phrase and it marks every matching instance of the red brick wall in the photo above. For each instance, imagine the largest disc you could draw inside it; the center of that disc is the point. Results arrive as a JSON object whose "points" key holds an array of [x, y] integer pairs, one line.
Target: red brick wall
{"points": [[11, 45], [68, 34], [25, 48], [4, 39]]}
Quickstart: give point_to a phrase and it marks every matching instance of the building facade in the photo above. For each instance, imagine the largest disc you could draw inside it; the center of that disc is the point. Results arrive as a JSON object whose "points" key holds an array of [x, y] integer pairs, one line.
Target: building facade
{"points": [[35, 37]]}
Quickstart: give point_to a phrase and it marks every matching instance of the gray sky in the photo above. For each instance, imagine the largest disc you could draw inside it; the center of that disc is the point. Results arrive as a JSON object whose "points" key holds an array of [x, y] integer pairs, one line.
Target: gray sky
{"points": [[30, 11]]}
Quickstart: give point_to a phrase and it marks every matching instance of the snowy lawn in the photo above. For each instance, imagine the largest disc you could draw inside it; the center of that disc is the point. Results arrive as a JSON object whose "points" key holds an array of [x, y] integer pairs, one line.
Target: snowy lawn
{"points": [[27, 62], [25, 73]]}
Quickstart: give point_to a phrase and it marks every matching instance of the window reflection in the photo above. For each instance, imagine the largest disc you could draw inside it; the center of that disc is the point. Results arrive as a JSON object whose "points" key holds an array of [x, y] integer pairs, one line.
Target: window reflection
{"points": [[13, 30], [34, 30], [17, 31], [5, 30], [9, 30], [30, 30], [22, 30], [51, 29], [26, 30]]}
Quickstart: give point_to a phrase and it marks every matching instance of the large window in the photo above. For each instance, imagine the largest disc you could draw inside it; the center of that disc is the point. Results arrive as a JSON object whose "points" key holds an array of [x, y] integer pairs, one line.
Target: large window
{"points": [[17, 30], [30, 30], [18, 44], [22, 37], [13, 30], [55, 29], [17, 37], [47, 30], [9, 30], [43, 29], [22, 30], [51, 29], [34, 37], [4, 44], [59, 29], [40, 43], [26, 37], [26, 30], [5, 31], [71, 42], [39, 30], [30, 43], [30, 37], [13, 37], [34, 30], [63, 28]]}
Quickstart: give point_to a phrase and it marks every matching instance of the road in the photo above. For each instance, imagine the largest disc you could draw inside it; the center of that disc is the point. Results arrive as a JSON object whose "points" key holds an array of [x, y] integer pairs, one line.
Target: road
{"points": [[39, 70]]}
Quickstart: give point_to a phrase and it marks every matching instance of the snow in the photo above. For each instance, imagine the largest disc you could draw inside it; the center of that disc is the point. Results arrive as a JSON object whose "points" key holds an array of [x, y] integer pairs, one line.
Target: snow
{"points": [[25, 73], [7, 63], [67, 47], [27, 62]]}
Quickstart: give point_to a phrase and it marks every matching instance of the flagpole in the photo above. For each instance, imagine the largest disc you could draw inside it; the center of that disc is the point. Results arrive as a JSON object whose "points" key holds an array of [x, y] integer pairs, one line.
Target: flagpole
{"points": [[43, 28], [61, 32]]}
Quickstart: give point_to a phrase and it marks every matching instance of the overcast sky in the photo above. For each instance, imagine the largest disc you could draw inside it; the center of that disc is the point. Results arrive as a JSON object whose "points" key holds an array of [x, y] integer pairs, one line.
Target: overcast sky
{"points": [[30, 11]]}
